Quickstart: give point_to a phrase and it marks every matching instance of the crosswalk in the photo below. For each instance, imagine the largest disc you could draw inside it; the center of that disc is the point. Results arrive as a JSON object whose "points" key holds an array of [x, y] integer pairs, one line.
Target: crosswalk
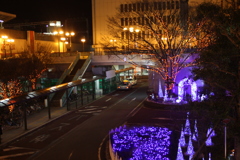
{"points": [[93, 110]]}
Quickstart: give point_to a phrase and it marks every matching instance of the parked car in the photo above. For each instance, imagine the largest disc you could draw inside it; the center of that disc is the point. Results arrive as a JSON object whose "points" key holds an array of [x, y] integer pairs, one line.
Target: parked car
{"points": [[124, 86], [133, 81]]}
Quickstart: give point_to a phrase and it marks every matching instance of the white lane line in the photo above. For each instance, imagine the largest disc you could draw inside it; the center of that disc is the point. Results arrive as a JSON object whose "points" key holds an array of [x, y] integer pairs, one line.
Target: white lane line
{"points": [[108, 99], [132, 100], [16, 155]]}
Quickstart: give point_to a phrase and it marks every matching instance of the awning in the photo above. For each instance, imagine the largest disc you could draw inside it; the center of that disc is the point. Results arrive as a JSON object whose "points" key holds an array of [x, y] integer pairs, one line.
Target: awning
{"points": [[4, 17]]}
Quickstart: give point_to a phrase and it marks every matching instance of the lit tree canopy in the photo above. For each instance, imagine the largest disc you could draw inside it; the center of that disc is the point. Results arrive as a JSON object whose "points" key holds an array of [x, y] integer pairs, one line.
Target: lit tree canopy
{"points": [[28, 67], [166, 31]]}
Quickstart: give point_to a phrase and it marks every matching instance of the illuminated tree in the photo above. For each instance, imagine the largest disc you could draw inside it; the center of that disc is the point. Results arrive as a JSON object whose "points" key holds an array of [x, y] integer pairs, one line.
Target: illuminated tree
{"points": [[164, 32], [38, 62], [15, 71]]}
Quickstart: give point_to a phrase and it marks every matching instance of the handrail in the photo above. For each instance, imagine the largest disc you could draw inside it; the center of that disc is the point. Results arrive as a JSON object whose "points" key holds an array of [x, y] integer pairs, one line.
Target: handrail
{"points": [[79, 73], [68, 71], [83, 69]]}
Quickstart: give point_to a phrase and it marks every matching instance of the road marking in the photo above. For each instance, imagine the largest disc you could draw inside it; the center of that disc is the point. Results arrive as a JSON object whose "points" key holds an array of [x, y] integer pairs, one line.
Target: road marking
{"points": [[14, 148], [40, 138], [16, 155], [108, 99], [132, 100], [60, 127], [77, 117], [162, 118], [91, 106]]}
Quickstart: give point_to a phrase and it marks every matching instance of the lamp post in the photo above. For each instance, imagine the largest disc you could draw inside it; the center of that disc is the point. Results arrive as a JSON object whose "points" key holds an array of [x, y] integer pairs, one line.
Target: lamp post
{"points": [[113, 41], [129, 32], [225, 121], [70, 41], [58, 33], [4, 45], [63, 40], [83, 40]]}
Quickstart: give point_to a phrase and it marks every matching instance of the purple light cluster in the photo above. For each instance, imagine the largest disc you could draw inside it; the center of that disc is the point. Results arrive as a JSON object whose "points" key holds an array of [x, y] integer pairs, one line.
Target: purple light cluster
{"points": [[137, 143]]}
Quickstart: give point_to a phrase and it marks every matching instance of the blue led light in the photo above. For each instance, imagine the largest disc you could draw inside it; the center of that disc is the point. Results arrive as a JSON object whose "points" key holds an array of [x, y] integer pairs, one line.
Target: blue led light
{"points": [[136, 143]]}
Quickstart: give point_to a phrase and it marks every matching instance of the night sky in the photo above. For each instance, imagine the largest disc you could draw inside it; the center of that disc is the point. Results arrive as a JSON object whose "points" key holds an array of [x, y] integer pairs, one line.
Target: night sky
{"points": [[46, 10]]}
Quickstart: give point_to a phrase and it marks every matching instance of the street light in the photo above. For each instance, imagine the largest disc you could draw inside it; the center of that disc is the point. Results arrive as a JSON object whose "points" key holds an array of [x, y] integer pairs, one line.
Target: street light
{"points": [[83, 40], [63, 39], [70, 35], [129, 31], [4, 45], [58, 33], [113, 41]]}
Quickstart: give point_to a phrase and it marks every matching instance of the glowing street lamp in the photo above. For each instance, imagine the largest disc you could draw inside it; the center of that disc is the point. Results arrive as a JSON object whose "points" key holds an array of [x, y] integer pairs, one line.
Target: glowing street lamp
{"points": [[70, 34], [129, 31], [83, 40], [63, 40], [58, 33], [113, 41]]}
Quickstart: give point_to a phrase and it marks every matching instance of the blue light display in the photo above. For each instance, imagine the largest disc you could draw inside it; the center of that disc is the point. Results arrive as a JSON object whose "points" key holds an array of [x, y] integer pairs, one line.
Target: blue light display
{"points": [[138, 143]]}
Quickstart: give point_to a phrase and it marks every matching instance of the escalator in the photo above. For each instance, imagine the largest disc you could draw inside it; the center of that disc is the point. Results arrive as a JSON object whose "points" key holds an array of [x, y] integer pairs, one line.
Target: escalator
{"points": [[55, 101]]}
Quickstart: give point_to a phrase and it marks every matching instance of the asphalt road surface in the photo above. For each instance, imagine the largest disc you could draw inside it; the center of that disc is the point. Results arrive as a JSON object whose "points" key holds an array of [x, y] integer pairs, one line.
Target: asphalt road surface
{"points": [[79, 134]]}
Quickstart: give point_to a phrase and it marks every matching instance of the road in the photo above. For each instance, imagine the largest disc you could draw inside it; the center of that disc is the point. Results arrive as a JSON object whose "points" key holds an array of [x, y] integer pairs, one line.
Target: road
{"points": [[79, 134]]}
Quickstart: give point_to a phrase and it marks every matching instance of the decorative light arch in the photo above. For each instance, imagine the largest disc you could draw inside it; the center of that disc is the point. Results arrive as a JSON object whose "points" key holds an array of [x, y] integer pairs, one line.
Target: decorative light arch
{"points": [[181, 89]]}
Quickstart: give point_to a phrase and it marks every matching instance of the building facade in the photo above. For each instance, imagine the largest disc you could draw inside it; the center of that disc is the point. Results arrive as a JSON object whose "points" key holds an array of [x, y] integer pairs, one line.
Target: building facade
{"points": [[103, 9]]}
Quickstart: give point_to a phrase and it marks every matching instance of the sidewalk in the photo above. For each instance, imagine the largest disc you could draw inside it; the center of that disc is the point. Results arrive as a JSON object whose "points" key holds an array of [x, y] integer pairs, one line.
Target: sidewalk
{"points": [[39, 119], [34, 121]]}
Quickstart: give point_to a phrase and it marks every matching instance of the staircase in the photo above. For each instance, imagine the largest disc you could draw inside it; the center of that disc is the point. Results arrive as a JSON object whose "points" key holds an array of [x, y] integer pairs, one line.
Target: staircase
{"points": [[55, 101]]}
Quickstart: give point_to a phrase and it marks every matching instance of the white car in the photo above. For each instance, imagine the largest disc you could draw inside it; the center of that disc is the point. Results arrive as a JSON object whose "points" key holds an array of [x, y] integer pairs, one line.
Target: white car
{"points": [[124, 86], [132, 81]]}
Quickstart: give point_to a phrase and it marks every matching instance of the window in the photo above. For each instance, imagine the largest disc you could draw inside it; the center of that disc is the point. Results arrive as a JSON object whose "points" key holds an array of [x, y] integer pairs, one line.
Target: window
{"points": [[159, 5], [146, 6], [173, 4], [168, 19], [134, 7], [134, 21], [122, 21], [138, 6], [173, 19], [155, 5], [164, 19], [147, 21], [121, 8], [126, 7], [130, 21], [152, 19], [139, 21], [177, 5], [143, 21], [164, 5], [122, 35], [143, 34], [142, 7], [126, 21], [130, 7], [168, 5]]}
